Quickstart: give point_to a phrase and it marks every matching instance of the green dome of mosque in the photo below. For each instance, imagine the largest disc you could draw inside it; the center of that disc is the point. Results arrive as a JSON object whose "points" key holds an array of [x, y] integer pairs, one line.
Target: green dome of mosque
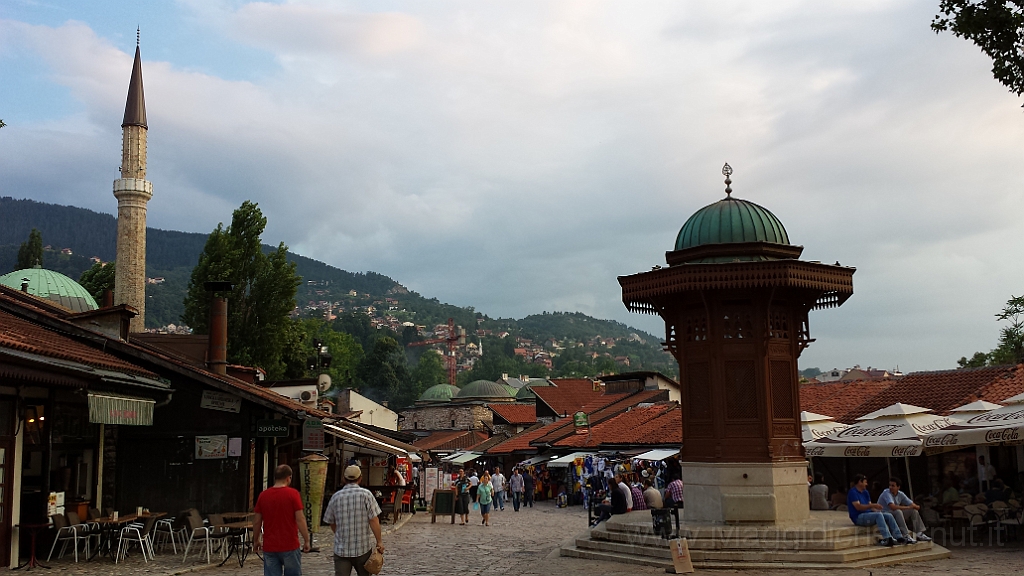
{"points": [[439, 393], [728, 221], [524, 394], [52, 286], [484, 389]]}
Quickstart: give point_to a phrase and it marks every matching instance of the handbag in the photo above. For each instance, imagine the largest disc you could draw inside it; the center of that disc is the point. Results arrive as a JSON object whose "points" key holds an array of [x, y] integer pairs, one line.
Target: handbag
{"points": [[374, 563]]}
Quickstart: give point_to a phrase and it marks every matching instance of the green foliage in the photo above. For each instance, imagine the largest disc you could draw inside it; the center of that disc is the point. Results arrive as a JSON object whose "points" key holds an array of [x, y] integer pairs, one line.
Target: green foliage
{"points": [[98, 279], [499, 358], [31, 251], [810, 372], [430, 371], [995, 26], [259, 329], [345, 352], [1011, 339], [357, 324], [384, 375]]}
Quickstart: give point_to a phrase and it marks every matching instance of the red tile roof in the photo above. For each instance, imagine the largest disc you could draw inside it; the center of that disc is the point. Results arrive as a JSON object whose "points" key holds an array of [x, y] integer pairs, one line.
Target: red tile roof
{"points": [[567, 395], [515, 413], [940, 391], [25, 336], [521, 442], [599, 411], [450, 440], [621, 428]]}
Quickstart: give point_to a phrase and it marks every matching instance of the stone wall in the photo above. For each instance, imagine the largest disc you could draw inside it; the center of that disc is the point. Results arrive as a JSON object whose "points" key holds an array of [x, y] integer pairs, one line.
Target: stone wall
{"points": [[447, 417]]}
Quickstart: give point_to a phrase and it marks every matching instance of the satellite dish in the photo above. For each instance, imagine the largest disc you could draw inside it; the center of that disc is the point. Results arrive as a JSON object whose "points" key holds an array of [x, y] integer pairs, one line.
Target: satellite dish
{"points": [[323, 382]]}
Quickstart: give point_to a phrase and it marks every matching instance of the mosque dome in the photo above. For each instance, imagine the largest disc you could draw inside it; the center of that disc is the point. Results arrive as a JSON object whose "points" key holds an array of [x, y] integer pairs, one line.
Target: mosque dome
{"points": [[525, 394], [484, 389], [439, 393], [53, 286]]}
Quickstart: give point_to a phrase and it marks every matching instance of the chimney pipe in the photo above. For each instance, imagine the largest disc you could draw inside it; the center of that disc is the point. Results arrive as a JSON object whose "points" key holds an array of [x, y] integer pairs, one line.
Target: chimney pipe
{"points": [[108, 298], [217, 357], [24, 284]]}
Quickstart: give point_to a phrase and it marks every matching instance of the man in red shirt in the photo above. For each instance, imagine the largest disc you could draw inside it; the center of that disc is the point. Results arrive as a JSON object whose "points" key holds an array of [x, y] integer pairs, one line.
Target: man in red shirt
{"points": [[276, 527]]}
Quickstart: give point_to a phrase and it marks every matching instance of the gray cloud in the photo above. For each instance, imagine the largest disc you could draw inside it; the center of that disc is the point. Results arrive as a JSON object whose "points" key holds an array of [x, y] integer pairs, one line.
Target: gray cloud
{"points": [[518, 157]]}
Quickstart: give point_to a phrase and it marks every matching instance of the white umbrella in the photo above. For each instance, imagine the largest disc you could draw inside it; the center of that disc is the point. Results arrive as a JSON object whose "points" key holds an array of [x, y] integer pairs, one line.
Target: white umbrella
{"points": [[1003, 424], [976, 407], [814, 426], [894, 431]]}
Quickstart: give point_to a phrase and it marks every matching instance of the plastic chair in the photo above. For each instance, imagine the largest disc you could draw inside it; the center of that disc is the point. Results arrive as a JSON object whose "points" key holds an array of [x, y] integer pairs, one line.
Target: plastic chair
{"points": [[407, 501], [169, 529], [90, 530], [135, 535], [206, 534], [67, 534]]}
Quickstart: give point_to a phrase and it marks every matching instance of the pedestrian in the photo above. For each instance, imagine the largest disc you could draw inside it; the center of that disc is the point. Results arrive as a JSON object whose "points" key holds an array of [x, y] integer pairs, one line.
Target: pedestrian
{"points": [[485, 497], [818, 493], [515, 484], [674, 493], [498, 483], [864, 513], [529, 485], [396, 479], [614, 504], [462, 497], [621, 483], [353, 514], [986, 474], [904, 510], [474, 482], [651, 495], [637, 495], [277, 524]]}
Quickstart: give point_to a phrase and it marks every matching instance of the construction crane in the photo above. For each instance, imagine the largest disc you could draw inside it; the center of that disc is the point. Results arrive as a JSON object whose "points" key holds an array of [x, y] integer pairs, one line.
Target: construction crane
{"points": [[451, 339]]}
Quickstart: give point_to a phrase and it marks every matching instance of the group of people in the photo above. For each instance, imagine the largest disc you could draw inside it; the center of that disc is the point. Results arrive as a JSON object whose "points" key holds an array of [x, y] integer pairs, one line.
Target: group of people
{"points": [[623, 497], [488, 492], [897, 517]]}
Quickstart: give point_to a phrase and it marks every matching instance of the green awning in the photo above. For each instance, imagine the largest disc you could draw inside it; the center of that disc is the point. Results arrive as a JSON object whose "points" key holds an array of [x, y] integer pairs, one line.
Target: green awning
{"points": [[106, 408]]}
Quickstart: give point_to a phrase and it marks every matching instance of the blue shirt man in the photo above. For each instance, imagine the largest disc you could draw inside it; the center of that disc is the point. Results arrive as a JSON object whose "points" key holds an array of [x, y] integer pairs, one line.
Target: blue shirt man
{"points": [[864, 513]]}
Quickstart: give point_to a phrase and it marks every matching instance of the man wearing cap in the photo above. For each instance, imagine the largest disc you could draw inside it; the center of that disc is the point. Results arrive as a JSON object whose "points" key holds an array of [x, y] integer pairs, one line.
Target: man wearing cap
{"points": [[276, 526], [353, 514]]}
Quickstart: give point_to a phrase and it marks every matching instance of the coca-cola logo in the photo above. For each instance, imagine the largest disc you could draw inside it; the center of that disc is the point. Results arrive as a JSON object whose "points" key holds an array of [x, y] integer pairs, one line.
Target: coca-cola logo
{"points": [[901, 451], [996, 418], [815, 451], [1004, 435], [875, 432], [944, 440], [932, 426], [857, 451]]}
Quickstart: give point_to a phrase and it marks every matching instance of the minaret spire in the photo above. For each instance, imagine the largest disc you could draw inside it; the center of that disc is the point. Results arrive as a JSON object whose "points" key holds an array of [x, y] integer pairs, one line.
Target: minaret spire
{"points": [[133, 191]]}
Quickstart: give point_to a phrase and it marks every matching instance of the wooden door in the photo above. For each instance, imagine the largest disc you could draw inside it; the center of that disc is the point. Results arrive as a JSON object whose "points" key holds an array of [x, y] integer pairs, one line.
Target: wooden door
{"points": [[6, 478]]}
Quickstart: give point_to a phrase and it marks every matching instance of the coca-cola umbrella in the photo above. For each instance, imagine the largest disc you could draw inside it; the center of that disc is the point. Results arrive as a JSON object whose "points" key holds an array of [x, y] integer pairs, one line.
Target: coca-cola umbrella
{"points": [[1003, 424], [892, 432], [814, 426]]}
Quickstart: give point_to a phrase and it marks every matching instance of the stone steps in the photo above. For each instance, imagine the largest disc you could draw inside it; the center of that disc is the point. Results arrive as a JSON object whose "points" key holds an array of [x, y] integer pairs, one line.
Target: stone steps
{"points": [[855, 539]]}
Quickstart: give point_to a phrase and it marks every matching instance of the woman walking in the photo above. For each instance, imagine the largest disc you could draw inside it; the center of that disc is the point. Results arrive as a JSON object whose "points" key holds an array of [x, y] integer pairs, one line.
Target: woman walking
{"points": [[462, 497], [485, 496]]}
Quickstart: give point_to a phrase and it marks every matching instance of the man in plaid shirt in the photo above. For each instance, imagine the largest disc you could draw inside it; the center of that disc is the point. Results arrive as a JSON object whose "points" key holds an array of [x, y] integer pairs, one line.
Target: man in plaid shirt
{"points": [[353, 515], [675, 490]]}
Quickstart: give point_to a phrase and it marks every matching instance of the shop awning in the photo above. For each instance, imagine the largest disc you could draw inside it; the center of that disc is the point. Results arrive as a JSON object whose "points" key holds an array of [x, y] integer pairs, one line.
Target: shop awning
{"points": [[535, 460], [465, 457], [109, 408], [568, 459], [358, 439], [659, 454]]}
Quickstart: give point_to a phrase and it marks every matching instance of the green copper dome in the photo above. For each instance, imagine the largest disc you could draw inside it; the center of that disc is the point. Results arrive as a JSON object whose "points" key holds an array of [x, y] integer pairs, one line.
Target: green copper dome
{"points": [[731, 220], [525, 394], [52, 286], [439, 393], [484, 389]]}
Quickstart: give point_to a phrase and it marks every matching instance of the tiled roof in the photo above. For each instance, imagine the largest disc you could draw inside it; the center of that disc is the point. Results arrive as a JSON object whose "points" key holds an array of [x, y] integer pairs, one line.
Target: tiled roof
{"points": [[521, 441], [939, 391], [20, 334], [944, 390], [450, 440], [599, 411], [567, 395], [515, 413], [621, 428]]}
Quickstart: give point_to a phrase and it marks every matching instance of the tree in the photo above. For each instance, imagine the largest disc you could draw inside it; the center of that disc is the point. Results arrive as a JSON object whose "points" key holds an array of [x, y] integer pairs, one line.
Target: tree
{"points": [[997, 27], [263, 294], [98, 279], [384, 374], [429, 371], [345, 353], [1011, 339], [31, 251]]}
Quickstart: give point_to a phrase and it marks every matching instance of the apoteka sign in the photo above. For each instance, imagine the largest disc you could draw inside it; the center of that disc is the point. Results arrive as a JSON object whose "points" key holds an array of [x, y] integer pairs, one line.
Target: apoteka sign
{"points": [[271, 428]]}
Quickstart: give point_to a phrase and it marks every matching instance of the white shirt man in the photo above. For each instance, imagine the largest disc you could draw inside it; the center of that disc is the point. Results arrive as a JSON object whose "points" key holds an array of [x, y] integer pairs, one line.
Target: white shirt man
{"points": [[904, 511], [629, 493], [498, 486]]}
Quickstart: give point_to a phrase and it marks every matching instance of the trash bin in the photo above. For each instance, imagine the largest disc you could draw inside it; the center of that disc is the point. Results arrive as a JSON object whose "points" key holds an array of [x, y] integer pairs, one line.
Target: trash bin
{"points": [[662, 519]]}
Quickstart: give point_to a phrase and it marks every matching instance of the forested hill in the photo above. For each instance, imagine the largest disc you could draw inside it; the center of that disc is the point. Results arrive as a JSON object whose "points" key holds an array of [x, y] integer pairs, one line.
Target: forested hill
{"points": [[171, 256]]}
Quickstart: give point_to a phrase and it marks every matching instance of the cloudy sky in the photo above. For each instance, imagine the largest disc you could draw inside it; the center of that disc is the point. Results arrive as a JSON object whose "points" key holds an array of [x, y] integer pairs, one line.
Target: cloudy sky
{"points": [[519, 156]]}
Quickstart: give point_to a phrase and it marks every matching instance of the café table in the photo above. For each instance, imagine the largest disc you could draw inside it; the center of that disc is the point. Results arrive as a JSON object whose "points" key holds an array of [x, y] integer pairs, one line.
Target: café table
{"points": [[110, 529], [239, 544], [33, 530]]}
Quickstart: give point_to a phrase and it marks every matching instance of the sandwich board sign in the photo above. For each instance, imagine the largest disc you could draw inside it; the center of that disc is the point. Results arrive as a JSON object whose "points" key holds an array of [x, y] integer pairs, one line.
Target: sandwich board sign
{"points": [[680, 556]]}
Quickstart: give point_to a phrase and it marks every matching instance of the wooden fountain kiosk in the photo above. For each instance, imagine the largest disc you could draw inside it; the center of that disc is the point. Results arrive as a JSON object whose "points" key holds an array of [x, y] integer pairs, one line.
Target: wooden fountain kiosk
{"points": [[735, 299]]}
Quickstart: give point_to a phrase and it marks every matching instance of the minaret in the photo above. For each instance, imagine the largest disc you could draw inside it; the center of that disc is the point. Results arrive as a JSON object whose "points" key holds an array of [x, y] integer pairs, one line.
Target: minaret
{"points": [[133, 191]]}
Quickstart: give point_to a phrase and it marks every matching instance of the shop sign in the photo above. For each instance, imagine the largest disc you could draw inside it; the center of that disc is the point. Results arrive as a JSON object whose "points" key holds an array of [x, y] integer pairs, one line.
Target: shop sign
{"points": [[114, 409], [220, 401], [271, 428], [581, 420], [211, 447], [312, 435]]}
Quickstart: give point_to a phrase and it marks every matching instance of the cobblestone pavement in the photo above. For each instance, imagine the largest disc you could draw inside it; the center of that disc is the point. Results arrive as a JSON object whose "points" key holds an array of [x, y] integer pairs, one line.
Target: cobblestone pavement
{"points": [[524, 543]]}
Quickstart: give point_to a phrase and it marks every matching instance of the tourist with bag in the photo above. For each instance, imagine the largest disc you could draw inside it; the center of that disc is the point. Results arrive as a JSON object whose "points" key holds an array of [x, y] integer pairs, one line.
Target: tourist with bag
{"points": [[353, 514]]}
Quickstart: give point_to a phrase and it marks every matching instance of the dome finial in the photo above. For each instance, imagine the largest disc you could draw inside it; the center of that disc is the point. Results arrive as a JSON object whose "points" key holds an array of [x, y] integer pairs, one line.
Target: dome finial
{"points": [[727, 171]]}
